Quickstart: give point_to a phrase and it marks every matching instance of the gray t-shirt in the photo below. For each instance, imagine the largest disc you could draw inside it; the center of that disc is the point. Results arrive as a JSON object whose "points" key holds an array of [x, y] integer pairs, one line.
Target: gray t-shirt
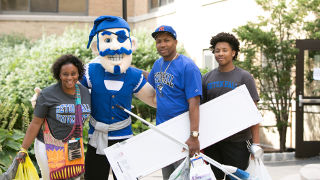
{"points": [[216, 83], [59, 109]]}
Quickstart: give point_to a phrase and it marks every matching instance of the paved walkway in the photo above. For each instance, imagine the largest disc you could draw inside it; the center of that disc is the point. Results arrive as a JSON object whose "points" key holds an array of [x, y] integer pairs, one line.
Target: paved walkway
{"points": [[289, 169], [281, 166]]}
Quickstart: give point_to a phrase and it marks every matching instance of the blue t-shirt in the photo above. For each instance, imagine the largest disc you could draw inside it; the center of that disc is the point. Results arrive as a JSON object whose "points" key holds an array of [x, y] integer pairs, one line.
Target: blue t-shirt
{"points": [[180, 82], [104, 100]]}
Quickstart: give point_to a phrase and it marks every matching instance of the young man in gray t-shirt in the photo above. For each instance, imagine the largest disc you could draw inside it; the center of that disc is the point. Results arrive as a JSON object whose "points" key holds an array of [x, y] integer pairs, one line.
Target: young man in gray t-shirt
{"points": [[232, 150]]}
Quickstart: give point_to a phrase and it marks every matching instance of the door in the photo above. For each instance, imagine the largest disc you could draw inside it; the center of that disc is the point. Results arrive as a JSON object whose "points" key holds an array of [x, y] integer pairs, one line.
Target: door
{"points": [[308, 98]]}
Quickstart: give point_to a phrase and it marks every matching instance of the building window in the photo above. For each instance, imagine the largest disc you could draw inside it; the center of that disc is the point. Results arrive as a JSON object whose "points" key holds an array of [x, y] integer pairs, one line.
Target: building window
{"points": [[43, 6], [63, 7], [158, 3], [14, 5]]}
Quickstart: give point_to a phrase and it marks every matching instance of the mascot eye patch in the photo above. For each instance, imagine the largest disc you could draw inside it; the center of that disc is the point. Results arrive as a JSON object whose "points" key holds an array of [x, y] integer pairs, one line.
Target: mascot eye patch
{"points": [[121, 35]]}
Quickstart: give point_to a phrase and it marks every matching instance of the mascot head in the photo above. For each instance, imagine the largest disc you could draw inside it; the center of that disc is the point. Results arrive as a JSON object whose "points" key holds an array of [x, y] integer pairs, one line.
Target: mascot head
{"points": [[114, 44]]}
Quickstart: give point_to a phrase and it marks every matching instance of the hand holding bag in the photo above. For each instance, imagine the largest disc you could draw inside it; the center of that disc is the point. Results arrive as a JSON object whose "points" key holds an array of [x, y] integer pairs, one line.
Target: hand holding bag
{"points": [[258, 170], [26, 169]]}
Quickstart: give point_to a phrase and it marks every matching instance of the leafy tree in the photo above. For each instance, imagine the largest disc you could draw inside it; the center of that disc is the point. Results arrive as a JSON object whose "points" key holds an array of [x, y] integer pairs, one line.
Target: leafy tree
{"points": [[272, 40], [312, 26]]}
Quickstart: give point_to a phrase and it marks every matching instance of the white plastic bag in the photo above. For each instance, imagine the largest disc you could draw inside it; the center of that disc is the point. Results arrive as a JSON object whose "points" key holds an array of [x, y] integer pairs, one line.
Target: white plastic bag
{"points": [[11, 172], [199, 170], [258, 170], [182, 171]]}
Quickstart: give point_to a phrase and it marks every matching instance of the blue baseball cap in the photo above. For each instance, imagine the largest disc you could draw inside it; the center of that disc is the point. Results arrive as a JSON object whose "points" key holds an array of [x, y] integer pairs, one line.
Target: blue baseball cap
{"points": [[107, 22], [164, 28]]}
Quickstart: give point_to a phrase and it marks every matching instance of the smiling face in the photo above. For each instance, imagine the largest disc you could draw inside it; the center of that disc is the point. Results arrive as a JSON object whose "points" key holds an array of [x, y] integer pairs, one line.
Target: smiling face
{"points": [[224, 54], [115, 49], [69, 76], [166, 46]]}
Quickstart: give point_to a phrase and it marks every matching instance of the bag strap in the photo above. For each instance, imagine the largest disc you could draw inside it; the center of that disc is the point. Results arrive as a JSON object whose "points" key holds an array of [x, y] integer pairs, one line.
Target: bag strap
{"points": [[76, 131]]}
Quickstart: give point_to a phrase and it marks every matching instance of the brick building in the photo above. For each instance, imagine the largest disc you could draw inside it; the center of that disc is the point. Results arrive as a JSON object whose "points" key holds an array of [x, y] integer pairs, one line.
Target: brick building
{"points": [[34, 17], [195, 21]]}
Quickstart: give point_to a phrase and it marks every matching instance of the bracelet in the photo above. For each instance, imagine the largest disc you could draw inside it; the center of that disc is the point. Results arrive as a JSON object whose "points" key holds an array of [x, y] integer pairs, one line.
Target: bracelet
{"points": [[23, 150]]}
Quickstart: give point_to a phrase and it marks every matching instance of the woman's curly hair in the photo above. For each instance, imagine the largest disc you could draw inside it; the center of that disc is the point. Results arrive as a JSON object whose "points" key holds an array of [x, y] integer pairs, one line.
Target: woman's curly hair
{"points": [[225, 37], [67, 59]]}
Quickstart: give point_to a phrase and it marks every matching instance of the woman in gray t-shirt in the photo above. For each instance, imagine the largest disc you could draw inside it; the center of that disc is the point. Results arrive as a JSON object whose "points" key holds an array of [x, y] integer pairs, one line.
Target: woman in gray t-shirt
{"points": [[232, 150], [56, 108]]}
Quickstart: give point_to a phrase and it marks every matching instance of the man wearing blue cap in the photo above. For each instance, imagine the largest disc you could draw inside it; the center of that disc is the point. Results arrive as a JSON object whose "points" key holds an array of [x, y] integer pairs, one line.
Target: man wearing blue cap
{"points": [[177, 81], [112, 82]]}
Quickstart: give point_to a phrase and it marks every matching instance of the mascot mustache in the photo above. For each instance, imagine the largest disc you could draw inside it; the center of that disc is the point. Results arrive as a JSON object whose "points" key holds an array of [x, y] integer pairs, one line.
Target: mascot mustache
{"points": [[108, 51]]}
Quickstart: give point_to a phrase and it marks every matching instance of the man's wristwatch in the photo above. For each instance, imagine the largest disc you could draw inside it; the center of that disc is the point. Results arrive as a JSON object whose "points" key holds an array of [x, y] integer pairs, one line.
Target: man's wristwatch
{"points": [[194, 134]]}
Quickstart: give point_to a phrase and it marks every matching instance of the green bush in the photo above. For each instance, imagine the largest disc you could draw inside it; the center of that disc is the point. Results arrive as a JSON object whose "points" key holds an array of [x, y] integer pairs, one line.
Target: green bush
{"points": [[10, 142], [24, 67], [11, 139]]}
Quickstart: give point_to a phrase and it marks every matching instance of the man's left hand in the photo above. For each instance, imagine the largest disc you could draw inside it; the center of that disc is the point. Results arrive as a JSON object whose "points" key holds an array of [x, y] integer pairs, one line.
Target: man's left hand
{"points": [[194, 145]]}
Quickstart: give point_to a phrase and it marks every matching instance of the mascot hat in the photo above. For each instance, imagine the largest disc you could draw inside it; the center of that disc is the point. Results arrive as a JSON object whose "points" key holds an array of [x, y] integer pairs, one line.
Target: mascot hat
{"points": [[107, 22]]}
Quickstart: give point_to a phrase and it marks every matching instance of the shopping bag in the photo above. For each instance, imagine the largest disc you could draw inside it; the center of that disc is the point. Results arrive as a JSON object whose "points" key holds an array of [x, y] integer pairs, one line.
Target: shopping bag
{"points": [[199, 170], [26, 170], [257, 170], [182, 172], [11, 172]]}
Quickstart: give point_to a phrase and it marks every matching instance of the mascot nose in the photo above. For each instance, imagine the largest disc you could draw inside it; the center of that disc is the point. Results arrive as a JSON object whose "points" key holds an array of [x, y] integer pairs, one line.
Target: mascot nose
{"points": [[115, 45]]}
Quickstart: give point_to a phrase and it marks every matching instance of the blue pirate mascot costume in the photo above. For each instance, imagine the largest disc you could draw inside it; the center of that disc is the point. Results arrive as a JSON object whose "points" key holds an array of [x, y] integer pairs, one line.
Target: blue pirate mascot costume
{"points": [[112, 82]]}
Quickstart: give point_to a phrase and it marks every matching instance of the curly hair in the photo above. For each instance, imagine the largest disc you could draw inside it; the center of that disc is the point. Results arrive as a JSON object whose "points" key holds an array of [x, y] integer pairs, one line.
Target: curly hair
{"points": [[225, 37], [67, 59]]}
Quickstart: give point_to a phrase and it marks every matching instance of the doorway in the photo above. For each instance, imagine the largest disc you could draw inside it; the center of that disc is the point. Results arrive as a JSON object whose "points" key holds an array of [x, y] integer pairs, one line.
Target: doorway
{"points": [[308, 98]]}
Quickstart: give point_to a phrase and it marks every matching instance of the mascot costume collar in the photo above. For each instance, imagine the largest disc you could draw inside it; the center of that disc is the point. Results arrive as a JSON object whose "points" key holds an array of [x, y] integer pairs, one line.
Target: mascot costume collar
{"points": [[114, 44]]}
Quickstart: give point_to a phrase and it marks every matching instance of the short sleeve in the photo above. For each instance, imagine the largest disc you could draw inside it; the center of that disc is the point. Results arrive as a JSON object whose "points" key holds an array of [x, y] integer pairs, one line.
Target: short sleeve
{"points": [[142, 81], [192, 81], [151, 78], [85, 81], [41, 108], [251, 86]]}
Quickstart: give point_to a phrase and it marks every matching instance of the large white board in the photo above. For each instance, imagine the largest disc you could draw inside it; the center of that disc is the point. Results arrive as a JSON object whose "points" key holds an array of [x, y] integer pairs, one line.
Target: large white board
{"points": [[150, 151]]}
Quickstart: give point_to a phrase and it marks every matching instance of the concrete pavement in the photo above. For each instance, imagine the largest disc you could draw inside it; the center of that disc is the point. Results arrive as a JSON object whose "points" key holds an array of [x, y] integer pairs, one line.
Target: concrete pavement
{"points": [[289, 169], [281, 166]]}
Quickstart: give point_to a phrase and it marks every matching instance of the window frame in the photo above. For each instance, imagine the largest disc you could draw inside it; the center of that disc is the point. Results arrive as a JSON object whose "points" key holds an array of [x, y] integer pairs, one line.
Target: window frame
{"points": [[167, 3], [28, 11]]}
